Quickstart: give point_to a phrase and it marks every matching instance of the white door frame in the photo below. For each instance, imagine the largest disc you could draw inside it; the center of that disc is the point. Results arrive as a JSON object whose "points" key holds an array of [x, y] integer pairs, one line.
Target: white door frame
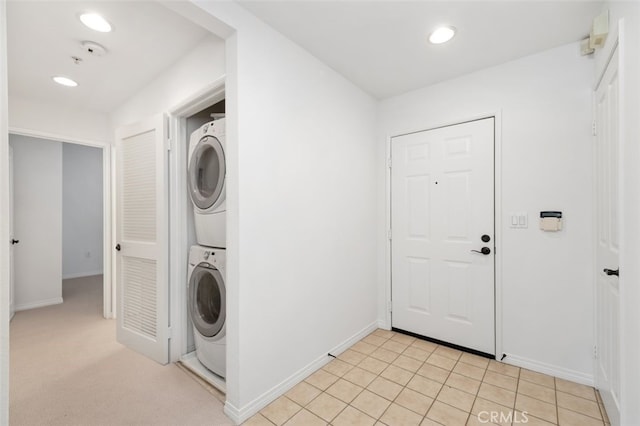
{"points": [[178, 210], [386, 318], [108, 289], [4, 221]]}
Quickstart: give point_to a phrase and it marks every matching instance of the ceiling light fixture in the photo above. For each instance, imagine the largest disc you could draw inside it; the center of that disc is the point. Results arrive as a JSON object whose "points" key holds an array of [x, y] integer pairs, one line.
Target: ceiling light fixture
{"points": [[64, 81], [442, 35], [95, 22]]}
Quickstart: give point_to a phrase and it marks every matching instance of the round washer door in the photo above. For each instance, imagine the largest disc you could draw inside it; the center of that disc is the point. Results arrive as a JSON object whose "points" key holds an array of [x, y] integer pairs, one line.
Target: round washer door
{"points": [[207, 300], [206, 172]]}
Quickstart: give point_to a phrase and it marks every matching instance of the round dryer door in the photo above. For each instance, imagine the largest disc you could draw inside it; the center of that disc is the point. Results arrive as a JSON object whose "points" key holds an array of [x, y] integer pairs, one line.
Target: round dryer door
{"points": [[207, 300], [206, 173]]}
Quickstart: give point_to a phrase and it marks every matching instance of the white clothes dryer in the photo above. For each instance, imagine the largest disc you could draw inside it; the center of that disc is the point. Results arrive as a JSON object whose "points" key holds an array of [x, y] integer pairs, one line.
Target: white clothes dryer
{"points": [[208, 306], [207, 169]]}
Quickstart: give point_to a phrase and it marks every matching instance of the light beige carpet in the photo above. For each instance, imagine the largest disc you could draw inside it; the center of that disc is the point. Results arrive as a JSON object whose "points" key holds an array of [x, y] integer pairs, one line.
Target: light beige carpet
{"points": [[67, 369]]}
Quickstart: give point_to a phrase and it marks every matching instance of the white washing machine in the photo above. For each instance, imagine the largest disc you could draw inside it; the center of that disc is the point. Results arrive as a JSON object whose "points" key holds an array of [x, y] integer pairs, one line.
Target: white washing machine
{"points": [[206, 178], [208, 306]]}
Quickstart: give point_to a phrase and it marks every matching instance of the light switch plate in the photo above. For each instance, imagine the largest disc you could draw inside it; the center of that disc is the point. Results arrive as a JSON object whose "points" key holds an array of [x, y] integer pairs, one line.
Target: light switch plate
{"points": [[519, 220]]}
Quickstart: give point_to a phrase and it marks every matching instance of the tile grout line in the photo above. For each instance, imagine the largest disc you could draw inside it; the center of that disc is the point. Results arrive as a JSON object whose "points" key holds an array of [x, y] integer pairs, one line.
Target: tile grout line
{"points": [[442, 387], [478, 392], [481, 381], [575, 410], [348, 403], [424, 416], [377, 376], [515, 399], [354, 398], [600, 406], [555, 393], [435, 398], [386, 409], [581, 412]]}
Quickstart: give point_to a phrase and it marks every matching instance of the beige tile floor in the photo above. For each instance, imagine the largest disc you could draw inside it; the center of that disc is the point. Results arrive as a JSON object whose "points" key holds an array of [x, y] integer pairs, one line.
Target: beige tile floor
{"points": [[389, 378]]}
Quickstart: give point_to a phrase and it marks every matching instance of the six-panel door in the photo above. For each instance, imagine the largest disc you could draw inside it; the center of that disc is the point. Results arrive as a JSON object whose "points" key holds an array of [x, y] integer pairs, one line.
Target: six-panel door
{"points": [[442, 203]]}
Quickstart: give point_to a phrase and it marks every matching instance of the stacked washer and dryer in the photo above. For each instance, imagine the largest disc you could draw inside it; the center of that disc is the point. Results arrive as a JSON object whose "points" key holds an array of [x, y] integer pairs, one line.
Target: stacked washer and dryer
{"points": [[206, 281]]}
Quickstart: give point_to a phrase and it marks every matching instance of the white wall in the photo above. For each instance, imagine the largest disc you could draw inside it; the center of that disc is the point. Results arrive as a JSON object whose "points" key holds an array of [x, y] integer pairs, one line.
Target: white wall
{"points": [[629, 55], [37, 166], [57, 122], [81, 211], [301, 211], [547, 286], [197, 69]]}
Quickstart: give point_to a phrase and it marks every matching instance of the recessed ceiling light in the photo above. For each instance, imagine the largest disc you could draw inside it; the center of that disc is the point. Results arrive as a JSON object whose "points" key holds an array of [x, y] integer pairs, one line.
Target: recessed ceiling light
{"points": [[65, 81], [442, 35], [95, 22]]}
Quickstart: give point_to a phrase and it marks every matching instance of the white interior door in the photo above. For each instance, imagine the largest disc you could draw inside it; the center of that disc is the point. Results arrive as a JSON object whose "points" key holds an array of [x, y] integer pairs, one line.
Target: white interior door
{"points": [[442, 205], [141, 238], [12, 237], [608, 244]]}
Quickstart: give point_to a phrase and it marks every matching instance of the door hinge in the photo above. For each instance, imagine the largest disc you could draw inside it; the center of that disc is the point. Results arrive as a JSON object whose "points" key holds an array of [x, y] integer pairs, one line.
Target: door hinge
{"points": [[169, 144], [389, 162], [170, 332], [594, 128], [389, 234], [595, 352], [389, 307]]}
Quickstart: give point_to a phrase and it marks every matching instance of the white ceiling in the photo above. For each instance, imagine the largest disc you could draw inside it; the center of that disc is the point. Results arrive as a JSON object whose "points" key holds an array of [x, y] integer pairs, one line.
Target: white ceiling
{"points": [[43, 35], [381, 45]]}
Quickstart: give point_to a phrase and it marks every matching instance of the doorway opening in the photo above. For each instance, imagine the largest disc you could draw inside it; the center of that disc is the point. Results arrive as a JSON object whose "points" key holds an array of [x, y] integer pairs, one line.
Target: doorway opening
{"points": [[203, 107], [61, 211]]}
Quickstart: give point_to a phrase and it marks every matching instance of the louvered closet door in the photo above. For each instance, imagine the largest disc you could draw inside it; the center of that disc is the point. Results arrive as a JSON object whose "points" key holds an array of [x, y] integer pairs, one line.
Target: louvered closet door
{"points": [[141, 238]]}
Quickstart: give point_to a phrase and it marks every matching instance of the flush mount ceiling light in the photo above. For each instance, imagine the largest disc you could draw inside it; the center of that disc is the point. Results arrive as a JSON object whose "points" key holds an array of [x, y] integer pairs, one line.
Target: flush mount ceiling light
{"points": [[442, 35], [95, 22], [64, 81]]}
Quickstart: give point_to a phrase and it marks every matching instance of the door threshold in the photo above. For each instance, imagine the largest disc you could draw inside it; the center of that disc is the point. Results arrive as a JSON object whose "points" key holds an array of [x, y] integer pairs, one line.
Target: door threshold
{"points": [[443, 343]]}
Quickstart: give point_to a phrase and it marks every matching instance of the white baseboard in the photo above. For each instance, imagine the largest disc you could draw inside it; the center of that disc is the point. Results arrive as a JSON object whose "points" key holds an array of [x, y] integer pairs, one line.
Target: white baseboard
{"points": [[239, 415], [354, 339], [82, 274], [39, 304], [234, 413], [551, 370]]}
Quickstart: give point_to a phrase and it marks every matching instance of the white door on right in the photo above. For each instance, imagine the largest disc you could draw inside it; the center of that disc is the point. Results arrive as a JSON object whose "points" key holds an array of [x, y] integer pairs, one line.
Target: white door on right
{"points": [[608, 241], [442, 221]]}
